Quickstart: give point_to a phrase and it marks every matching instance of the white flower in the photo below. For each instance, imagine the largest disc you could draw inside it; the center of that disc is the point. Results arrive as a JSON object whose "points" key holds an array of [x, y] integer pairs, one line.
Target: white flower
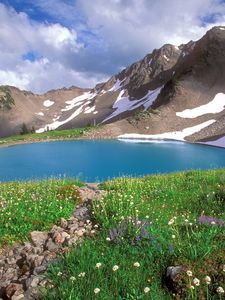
{"points": [[189, 273], [207, 280], [147, 217], [108, 239], [173, 236], [190, 224], [72, 278], [93, 231], [186, 220], [220, 290], [115, 268], [213, 223], [191, 287], [171, 222], [59, 274], [196, 281], [96, 290], [82, 274], [98, 265], [96, 226], [136, 264], [146, 290], [223, 268]]}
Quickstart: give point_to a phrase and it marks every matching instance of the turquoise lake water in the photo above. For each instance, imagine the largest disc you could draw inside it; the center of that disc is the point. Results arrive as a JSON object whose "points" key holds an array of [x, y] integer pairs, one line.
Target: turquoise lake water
{"points": [[93, 161]]}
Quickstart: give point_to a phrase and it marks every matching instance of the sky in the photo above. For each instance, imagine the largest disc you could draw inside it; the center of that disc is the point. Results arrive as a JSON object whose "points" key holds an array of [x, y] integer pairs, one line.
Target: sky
{"points": [[49, 44]]}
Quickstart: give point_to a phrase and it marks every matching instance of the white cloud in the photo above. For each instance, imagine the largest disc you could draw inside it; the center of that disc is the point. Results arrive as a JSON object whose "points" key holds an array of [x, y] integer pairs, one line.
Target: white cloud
{"points": [[115, 33], [54, 45]]}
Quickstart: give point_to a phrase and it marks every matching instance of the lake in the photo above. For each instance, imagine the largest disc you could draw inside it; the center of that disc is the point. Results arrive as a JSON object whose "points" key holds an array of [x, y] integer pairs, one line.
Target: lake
{"points": [[97, 160]]}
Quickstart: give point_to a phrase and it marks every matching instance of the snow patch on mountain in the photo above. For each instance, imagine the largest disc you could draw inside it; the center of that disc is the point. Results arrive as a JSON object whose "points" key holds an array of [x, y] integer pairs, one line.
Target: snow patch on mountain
{"points": [[89, 109], [48, 103], [123, 104], [79, 100], [166, 58], [173, 135], [56, 124], [40, 114], [219, 142], [117, 85], [213, 107]]}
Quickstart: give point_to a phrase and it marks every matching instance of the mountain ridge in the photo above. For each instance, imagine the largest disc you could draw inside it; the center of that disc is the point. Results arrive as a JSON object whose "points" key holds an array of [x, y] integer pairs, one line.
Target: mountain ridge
{"points": [[171, 79]]}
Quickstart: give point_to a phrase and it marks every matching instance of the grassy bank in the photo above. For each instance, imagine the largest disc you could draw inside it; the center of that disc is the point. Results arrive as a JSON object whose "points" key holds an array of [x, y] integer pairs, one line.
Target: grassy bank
{"points": [[45, 136], [28, 206], [145, 226]]}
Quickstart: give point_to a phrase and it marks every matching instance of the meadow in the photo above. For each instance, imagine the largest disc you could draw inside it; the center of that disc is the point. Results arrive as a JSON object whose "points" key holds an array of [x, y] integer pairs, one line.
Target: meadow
{"points": [[47, 135], [143, 225], [29, 206]]}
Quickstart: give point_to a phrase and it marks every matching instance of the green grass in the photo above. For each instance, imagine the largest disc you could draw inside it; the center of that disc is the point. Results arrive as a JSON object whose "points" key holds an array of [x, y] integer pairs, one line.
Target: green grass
{"points": [[28, 206], [6, 99], [48, 135], [152, 221]]}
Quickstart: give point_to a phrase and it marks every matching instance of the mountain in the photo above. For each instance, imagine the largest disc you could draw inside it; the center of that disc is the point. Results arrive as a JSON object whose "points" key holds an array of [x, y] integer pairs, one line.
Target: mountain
{"points": [[174, 92]]}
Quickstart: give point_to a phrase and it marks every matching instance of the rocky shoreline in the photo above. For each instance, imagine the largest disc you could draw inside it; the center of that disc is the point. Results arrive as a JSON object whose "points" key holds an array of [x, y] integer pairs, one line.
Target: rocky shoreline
{"points": [[23, 267]]}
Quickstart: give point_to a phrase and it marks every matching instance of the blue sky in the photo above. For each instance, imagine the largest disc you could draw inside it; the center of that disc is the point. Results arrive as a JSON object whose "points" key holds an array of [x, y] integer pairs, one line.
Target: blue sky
{"points": [[56, 43]]}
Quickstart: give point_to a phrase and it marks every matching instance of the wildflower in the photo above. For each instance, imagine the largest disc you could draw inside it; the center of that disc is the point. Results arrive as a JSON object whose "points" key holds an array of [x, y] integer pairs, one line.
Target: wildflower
{"points": [[146, 290], [136, 264], [207, 280], [115, 268], [98, 265], [171, 222], [186, 220], [220, 290], [72, 278], [196, 281], [189, 273], [59, 274], [92, 231], [223, 268], [82, 274], [173, 236], [213, 223], [96, 226], [190, 224], [191, 287], [108, 239], [96, 290]]}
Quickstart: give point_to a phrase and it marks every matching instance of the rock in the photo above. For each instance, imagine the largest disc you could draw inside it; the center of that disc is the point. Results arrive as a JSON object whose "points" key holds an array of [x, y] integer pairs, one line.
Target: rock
{"points": [[73, 227], [38, 238], [13, 288], [18, 297], [33, 281], [81, 213], [80, 232], [63, 223], [72, 241], [40, 269], [51, 246], [171, 277]]}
